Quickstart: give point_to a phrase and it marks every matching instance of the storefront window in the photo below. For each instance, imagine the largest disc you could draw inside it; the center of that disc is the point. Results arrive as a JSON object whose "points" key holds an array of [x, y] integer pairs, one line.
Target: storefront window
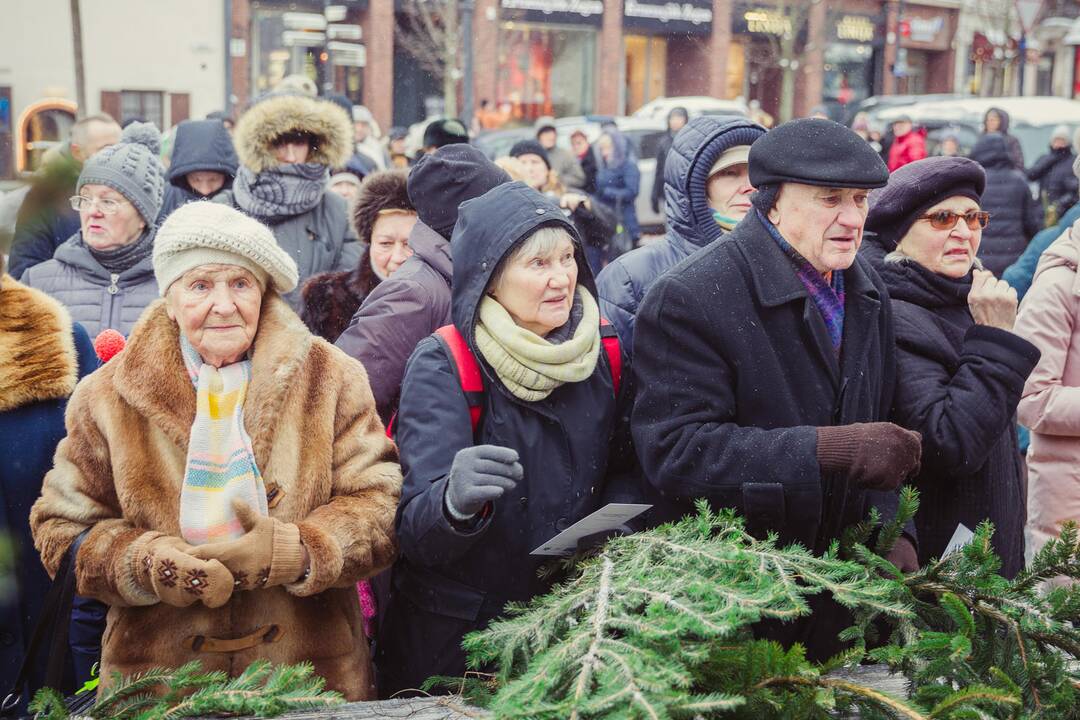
{"points": [[646, 69], [849, 74], [546, 70], [271, 59]]}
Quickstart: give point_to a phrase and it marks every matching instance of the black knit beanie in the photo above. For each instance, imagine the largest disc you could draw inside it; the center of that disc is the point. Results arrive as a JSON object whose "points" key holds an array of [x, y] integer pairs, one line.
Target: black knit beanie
{"points": [[530, 147], [441, 181]]}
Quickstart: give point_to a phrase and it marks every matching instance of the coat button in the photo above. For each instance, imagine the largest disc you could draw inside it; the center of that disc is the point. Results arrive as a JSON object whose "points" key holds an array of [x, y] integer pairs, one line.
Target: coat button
{"points": [[540, 211], [523, 501], [592, 490], [561, 524]]}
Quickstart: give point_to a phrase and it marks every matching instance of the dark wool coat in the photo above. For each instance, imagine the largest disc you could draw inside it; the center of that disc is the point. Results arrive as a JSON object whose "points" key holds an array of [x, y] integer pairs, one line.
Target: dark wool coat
{"points": [[399, 313], [624, 282], [200, 145], [42, 356], [1015, 216], [448, 582], [734, 371], [959, 387], [1057, 181]]}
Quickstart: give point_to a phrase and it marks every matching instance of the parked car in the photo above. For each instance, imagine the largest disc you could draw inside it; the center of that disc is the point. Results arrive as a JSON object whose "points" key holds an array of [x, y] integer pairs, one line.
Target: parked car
{"points": [[695, 105]]}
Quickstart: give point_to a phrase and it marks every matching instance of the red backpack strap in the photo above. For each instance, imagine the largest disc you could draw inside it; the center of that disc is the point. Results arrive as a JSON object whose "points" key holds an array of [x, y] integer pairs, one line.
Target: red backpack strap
{"points": [[467, 370], [610, 340]]}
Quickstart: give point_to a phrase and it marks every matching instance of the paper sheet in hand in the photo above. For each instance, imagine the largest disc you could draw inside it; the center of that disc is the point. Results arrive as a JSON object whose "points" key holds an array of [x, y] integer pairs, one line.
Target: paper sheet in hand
{"points": [[606, 518], [960, 538]]}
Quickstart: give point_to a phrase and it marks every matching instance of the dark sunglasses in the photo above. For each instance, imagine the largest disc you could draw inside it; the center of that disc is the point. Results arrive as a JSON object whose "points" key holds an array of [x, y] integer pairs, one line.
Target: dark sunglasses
{"points": [[291, 138], [946, 219]]}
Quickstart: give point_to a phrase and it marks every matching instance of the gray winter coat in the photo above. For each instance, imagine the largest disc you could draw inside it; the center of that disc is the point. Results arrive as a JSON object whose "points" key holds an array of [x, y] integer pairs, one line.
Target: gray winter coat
{"points": [[94, 297], [319, 240]]}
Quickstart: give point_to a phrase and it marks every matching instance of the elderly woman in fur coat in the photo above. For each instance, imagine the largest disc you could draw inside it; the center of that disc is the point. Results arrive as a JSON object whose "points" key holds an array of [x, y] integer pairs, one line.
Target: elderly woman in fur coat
{"points": [[287, 145], [382, 216], [231, 468]]}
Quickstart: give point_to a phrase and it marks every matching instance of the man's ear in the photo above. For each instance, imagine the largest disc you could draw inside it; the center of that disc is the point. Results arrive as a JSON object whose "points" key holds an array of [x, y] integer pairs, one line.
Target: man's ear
{"points": [[77, 152]]}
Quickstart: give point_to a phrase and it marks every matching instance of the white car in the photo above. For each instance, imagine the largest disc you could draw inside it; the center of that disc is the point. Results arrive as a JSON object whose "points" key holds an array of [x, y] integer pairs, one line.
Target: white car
{"points": [[695, 105]]}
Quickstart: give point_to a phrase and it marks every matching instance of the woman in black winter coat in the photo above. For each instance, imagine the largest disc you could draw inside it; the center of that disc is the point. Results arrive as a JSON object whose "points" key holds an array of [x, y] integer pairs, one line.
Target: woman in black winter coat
{"points": [[1016, 215], [961, 368], [1054, 173], [474, 505]]}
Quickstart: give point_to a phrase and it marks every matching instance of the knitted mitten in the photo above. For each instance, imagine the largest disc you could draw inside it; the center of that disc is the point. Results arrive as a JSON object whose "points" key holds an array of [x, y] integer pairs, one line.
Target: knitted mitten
{"points": [[165, 567], [269, 553]]}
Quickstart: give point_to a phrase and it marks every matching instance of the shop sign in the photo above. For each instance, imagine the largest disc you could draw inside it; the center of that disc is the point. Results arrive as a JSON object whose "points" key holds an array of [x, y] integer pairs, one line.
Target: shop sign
{"points": [[856, 29], [767, 22], [669, 17], [567, 11], [925, 31]]}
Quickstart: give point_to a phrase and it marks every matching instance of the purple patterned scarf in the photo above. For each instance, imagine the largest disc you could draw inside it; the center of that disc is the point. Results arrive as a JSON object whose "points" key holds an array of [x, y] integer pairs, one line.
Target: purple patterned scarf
{"points": [[827, 296]]}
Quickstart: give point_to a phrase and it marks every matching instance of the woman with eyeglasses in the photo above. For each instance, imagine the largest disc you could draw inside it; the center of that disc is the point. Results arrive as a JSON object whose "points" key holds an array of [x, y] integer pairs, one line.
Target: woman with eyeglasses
{"points": [[961, 367], [103, 273]]}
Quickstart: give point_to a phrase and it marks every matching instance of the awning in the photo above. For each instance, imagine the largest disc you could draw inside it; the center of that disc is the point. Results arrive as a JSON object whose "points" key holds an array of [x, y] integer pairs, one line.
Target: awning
{"points": [[1073, 37]]}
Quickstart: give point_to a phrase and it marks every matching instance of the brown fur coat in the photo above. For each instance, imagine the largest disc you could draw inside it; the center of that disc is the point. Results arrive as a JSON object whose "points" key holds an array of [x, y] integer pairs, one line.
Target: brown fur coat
{"points": [[316, 438]]}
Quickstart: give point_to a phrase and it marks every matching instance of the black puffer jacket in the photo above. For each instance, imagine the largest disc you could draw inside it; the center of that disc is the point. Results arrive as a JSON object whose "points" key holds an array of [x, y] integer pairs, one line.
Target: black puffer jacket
{"points": [[1015, 217], [448, 582], [959, 387], [1057, 181], [200, 145]]}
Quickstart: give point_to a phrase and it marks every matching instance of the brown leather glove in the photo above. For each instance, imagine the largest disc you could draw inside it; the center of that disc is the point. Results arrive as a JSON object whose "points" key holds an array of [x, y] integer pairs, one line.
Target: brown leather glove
{"points": [[270, 552], [903, 556], [874, 456], [165, 567]]}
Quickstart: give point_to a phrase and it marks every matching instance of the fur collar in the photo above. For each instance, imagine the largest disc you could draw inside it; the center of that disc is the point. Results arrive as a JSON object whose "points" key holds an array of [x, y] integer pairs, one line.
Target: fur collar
{"points": [[150, 373], [37, 348], [268, 119]]}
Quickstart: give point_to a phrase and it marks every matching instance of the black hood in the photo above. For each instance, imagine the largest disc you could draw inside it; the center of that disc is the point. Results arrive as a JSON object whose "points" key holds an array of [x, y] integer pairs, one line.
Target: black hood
{"points": [[992, 151], [201, 145], [487, 230], [1004, 129]]}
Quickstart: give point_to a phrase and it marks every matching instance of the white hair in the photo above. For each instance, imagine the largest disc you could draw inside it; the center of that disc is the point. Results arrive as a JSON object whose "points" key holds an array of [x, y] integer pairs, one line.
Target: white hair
{"points": [[541, 242]]}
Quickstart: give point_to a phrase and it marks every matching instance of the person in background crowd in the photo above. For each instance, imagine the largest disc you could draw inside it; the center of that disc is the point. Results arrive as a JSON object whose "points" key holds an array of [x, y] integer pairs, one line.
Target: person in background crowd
{"points": [[415, 301], [908, 145], [778, 405], [757, 114], [860, 125], [366, 137], [42, 355], [45, 219], [382, 218], [203, 164], [225, 118], [265, 566], [563, 162], [961, 367], [586, 158], [707, 185], [287, 144], [1050, 318], [440, 133], [618, 181], [1016, 215], [676, 121], [996, 120], [543, 455], [103, 273], [399, 156], [593, 220], [1054, 173], [345, 184], [487, 117]]}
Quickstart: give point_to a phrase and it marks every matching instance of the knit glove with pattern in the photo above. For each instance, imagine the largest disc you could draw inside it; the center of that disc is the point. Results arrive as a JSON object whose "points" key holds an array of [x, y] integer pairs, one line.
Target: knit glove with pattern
{"points": [[268, 554], [165, 567], [874, 456]]}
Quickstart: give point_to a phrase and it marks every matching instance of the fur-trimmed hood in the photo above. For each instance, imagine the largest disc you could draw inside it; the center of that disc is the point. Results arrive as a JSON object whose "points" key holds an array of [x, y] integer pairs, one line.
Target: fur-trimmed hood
{"points": [[37, 348], [384, 190], [276, 115]]}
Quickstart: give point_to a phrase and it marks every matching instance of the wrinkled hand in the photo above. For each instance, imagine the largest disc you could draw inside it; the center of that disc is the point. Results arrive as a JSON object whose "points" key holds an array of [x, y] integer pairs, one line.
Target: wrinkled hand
{"points": [[269, 553], [874, 456], [479, 475], [169, 570], [570, 201], [903, 556], [992, 302]]}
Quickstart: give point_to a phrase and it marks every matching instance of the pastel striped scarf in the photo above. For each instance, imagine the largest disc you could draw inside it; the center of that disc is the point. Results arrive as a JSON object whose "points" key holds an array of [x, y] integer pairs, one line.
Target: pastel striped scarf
{"points": [[827, 293], [220, 461]]}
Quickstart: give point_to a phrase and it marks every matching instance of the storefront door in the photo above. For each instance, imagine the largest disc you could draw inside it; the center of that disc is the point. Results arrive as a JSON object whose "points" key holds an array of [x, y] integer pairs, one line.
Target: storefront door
{"points": [[646, 70]]}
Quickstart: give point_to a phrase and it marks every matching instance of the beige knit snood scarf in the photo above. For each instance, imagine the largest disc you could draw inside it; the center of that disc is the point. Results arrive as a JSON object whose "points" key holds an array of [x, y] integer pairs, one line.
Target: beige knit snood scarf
{"points": [[528, 365]]}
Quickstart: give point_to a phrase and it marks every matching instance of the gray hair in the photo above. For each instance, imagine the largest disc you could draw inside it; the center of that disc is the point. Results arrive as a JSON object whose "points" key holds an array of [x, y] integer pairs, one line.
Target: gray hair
{"points": [[541, 242]]}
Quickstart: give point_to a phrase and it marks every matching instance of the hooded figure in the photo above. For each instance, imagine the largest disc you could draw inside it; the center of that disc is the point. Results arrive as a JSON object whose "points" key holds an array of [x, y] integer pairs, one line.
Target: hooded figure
{"points": [[691, 221], [618, 179], [545, 435], [1054, 173], [1001, 125], [961, 367], [331, 299], [676, 121], [287, 145], [199, 146], [1015, 217]]}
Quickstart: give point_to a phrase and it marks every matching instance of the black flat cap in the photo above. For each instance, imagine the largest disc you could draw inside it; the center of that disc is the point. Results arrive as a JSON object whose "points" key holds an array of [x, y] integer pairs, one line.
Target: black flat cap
{"points": [[814, 151], [915, 188]]}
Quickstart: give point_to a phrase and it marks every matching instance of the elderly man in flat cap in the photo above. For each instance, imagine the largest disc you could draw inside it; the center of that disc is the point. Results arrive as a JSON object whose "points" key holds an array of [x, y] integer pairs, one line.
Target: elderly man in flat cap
{"points": [[765, 361]]}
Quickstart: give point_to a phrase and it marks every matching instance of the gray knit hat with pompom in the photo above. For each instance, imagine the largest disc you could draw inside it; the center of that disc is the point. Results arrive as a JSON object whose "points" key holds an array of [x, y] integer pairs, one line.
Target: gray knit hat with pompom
{"points": [[131, 168]]}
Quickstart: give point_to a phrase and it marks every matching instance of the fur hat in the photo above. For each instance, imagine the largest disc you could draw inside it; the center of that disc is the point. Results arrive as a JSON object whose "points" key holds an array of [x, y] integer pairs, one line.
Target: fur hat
{"points": [[207, 233], [269, 119], [383, 190], [131, 168]]}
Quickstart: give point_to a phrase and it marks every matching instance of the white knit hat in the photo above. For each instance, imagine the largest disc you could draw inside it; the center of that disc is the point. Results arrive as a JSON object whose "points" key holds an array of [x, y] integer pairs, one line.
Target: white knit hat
{"points": [[209, 233]]}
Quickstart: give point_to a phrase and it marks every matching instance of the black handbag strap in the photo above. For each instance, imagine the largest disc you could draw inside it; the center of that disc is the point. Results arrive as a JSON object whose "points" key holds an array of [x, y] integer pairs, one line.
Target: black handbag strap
{"points": [[55, 613]]}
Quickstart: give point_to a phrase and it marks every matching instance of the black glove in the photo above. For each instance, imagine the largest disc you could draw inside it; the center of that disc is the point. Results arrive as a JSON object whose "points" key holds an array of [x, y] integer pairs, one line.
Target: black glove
{"points": [[480, 475], [875, 456]]}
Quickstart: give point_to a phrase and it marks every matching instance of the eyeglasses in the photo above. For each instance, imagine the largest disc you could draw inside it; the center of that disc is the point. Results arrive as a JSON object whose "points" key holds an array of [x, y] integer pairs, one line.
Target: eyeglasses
{"points": [[107, 206], [946, 219]]}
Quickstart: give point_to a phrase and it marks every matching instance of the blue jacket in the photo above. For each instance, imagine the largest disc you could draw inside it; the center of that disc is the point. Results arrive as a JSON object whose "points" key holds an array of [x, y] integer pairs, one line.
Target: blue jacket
{"points": [[1021, 272], [200, 145], [624, 282], [31, 425]]}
